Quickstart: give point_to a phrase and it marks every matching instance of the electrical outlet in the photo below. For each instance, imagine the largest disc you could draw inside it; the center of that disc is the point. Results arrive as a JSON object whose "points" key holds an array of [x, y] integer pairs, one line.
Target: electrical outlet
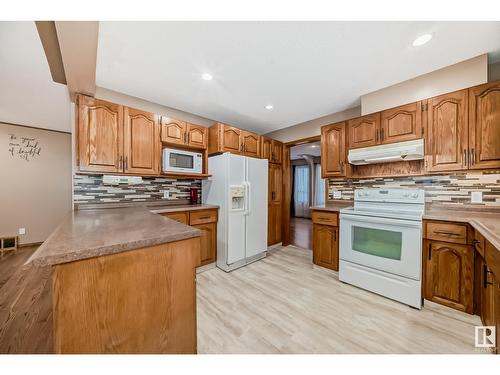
{"points": [[476, 197], [337, 194], [166, 194], [22, 230]]}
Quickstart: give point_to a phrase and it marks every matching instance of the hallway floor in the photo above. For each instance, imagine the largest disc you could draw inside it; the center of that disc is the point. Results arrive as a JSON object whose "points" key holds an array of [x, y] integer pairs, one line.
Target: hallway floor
{"points": [[301, 232]]}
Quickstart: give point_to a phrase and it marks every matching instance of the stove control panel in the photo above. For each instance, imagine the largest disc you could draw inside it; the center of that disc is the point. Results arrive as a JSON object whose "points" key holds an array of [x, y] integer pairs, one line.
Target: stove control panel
{"points": [[400, 195]]}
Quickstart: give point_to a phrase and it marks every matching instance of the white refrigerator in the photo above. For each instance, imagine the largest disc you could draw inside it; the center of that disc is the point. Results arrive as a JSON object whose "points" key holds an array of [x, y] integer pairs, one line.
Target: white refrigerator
{"points": [[238, 185]]}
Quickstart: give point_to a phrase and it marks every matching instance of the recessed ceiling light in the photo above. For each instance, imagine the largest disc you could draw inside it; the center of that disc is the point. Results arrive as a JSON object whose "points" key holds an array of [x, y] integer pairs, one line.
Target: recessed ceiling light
{"points": [[207, 76], [269, 107], [314, 146], [422, 39]]}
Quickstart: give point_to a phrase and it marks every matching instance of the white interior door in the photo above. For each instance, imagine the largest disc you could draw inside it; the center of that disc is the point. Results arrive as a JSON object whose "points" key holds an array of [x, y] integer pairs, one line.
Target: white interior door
{"points": [[236, 218], [256, 213]]}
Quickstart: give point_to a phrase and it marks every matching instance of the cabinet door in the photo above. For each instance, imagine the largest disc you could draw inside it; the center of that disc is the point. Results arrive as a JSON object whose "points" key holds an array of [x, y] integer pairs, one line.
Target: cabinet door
{"points": [[265, 148], [276, 152], [275, 182], [403, 123], [484, 126], [231, 139], [364, 131], [208, 246], [141, 142], [449, 275], [251, 144], [173, 131], [326, 246], [274, 223], [487, 296], [100, 135], [333, 154], [446, 140], [197, 136]]}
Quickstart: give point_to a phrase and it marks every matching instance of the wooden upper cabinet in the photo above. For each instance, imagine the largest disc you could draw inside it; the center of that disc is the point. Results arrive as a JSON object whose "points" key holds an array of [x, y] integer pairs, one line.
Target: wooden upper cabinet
{"points": [[173, 131], [449, 275], [364, 131], [446, 139], [333, 153], [251, 144], [197, 136], [265, 148], [276, 152], [231, 139], [100, 132], [141, 141], [484, 126], [403, 123]]}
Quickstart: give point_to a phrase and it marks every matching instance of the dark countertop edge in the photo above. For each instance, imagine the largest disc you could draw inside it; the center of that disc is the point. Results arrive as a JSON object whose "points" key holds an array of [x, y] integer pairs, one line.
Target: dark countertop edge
{"points": [[112, 249], [181, 208], [148, 205]]}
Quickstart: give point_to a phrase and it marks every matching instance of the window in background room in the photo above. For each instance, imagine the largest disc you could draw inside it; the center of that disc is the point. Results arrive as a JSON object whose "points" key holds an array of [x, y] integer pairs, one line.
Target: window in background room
{"points": [[301, 191], [319, 191]]}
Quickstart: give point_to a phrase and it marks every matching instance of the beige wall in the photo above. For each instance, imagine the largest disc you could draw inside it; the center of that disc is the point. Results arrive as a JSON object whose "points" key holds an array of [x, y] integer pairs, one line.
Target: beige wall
{"points": [[34, 194], [313, 127], [131, 101], [454, 77], [494, 71]]}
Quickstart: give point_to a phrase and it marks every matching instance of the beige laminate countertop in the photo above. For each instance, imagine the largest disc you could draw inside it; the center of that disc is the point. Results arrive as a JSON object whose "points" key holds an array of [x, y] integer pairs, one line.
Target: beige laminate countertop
{"points": [[485, 222], [182, 207], [91, 233], [333, 206]]}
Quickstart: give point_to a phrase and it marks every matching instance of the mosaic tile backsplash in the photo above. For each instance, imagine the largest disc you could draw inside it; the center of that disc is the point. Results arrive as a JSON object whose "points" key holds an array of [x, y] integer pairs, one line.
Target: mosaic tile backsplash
{"points": [[90, 189], [452, 189]]}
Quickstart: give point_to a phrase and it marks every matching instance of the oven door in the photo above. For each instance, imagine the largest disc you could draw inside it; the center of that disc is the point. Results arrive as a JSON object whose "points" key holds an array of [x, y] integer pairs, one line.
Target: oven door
{"points": [[390, 245]]}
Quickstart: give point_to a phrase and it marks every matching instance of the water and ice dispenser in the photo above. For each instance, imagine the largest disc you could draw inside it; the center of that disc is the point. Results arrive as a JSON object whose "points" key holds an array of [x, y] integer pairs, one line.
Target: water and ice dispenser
{"points": [[237, 194]]}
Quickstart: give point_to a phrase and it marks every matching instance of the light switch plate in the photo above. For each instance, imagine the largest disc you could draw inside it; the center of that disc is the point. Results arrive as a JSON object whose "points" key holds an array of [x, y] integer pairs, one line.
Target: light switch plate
{"points": [[22, 230], [166, 194], [337, 194], [476, 197]]}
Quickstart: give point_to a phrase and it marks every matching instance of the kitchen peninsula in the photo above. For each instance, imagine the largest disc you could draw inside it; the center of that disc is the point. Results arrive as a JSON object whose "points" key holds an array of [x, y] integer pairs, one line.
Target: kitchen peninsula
{"points": [[123, 281]]}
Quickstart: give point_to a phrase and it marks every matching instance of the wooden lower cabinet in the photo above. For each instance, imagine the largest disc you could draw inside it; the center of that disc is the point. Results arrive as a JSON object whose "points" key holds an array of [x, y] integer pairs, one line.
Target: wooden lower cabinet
{"points": [[274, 223], [326, 246], [206, 221], [449, 274], [208, 243]]}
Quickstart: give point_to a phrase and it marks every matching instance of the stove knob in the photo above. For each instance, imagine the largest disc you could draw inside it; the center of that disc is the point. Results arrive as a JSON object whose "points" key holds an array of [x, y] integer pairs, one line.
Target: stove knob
{"points": [[414, 195], [406, 195]]}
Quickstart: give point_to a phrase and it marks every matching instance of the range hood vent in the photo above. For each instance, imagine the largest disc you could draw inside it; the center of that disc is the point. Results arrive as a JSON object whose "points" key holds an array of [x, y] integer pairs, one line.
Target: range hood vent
{"points": [[401, 151]]}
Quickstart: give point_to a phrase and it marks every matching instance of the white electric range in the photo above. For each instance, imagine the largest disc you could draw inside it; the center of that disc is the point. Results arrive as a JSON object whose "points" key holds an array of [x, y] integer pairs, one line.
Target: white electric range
{"points": [[381, 243]]}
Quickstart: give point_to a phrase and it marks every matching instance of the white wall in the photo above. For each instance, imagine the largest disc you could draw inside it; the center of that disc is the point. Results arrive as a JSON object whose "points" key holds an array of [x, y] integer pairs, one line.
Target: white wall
{"points": [[454, 77], [494, 71], [313, 127], [131, 101]]}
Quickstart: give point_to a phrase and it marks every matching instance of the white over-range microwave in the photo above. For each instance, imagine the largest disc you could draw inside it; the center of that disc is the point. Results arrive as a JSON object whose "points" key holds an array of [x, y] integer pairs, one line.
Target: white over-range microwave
{"points": [[182, 161]]}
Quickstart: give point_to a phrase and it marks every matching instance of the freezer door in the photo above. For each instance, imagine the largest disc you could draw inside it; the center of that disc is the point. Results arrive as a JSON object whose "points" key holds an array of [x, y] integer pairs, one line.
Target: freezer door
{"points": [[235, 218], [256, 209]]}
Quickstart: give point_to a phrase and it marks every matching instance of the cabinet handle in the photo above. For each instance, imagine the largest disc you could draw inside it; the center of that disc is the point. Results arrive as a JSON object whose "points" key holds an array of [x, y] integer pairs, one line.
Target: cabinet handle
{"points": [[335, 235], [120, 162], [465, 157], [473, 157], [376, 135], [446, 233], [204, 217], [126, 163], [342, 167], [430, 251], [381, 134], [187, 137], [485, 276]]}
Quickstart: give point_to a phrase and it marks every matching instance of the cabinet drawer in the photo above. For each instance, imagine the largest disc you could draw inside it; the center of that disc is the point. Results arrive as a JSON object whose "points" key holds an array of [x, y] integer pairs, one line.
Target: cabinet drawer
{"points": [[325, 218], [181, 217], [203, 217], [479, 243], [447, 232]]}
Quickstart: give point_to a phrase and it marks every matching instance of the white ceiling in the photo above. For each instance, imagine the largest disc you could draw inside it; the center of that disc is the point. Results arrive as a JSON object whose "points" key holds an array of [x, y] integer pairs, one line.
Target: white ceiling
{"points": [[305, 69], [28, 96], [312, 148]]}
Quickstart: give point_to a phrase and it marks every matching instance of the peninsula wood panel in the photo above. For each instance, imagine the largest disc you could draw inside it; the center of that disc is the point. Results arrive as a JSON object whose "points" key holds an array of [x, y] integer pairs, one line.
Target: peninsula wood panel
{"points": [[447, 135], [333, 152], [142, 146], [449, 274], [484, 126], [364, 131], [141, 301], [100, 135], [173, 131], [403, 123]]}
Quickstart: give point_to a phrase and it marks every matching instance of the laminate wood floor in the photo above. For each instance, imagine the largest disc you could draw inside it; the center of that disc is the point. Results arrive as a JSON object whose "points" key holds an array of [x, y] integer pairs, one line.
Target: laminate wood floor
{"points": [[301, 232], [281, 304]]}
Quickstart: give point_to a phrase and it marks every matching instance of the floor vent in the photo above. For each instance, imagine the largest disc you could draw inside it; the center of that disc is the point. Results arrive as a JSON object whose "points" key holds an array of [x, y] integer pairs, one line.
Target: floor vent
{"points": [[8, 243]]}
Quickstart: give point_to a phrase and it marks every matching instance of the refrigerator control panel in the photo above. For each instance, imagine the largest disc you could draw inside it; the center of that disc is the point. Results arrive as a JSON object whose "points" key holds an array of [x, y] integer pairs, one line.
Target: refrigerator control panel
{"points": [[237, 194]]}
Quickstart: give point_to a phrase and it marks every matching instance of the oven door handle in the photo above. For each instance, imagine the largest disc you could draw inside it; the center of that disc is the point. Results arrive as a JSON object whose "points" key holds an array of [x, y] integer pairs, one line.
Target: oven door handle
{"points": [[360, 219]]}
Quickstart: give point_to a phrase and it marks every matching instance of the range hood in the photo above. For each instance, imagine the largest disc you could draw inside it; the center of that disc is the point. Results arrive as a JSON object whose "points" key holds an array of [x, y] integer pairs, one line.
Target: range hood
{"points": [[401, 151]]}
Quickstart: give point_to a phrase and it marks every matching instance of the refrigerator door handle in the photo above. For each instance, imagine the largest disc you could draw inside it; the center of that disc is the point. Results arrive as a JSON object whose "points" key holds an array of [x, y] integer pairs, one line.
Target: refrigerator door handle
{"points": [[247, 198]]}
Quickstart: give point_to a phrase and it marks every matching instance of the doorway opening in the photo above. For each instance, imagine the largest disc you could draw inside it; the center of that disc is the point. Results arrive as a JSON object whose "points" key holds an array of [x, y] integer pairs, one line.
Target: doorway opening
{"points": [[307, 189]]}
